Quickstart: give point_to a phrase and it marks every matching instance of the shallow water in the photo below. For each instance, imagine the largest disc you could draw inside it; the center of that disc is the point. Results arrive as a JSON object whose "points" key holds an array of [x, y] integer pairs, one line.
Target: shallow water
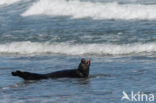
{"points": [[108, 78], [43, 36]]}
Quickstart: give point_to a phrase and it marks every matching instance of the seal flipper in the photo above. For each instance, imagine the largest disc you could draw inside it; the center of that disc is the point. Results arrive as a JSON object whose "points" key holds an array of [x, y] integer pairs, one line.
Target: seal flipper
{"points": [[17, 73], [28, 76]]}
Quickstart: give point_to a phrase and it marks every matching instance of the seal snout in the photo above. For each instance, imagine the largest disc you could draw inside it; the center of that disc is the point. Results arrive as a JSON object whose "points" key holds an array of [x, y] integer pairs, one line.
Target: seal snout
{"points": [[88, 62]]}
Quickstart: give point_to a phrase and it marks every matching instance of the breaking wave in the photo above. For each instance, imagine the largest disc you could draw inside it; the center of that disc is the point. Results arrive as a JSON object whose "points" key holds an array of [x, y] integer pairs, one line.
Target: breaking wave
{"points": [[7, 2], [27, 47], [78, 9]]}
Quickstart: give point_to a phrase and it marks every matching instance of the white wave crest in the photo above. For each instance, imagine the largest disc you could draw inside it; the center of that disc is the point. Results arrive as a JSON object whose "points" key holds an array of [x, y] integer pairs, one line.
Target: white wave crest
{"points": [[27, 47], [78, 9], [7, 2]]}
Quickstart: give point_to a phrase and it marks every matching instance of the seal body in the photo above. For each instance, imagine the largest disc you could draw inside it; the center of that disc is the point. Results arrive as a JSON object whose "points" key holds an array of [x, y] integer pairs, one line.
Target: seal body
{"points": [[81, 72]]}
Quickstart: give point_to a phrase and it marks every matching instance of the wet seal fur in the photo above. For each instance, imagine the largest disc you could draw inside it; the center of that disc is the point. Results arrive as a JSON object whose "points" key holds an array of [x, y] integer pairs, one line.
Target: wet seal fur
{"points": [[81, 72]]}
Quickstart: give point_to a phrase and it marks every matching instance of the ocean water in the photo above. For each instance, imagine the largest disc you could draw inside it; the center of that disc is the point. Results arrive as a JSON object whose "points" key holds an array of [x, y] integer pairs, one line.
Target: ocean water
{"points": [[42, 36]]}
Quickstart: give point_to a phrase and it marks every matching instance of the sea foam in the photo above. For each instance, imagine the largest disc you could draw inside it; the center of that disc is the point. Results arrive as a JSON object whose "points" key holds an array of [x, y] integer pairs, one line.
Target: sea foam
{"points": [[78, 9], [27, 47]]}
